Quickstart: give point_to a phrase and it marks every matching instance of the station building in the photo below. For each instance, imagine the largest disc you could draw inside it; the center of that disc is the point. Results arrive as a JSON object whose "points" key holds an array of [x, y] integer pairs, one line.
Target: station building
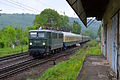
{"points": [[108, 11]]}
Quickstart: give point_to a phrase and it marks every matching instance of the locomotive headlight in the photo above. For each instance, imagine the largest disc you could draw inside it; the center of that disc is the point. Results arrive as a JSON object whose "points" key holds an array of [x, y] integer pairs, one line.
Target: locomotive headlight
{"points": [[43, 43], [30, 43]]}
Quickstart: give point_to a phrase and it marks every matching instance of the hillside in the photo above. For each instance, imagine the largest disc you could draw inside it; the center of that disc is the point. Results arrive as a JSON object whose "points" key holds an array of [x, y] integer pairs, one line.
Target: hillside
{"points": [[24, 20], [94, 27]]}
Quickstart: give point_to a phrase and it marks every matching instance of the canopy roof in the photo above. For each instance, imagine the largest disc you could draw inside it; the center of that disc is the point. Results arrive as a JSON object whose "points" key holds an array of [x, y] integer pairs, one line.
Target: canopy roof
{"points": [[89, 8]]}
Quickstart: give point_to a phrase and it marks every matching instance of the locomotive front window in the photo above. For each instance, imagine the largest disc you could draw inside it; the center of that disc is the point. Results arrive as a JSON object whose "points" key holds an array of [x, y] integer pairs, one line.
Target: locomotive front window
{"points": [[41, 35], [33, 34]]}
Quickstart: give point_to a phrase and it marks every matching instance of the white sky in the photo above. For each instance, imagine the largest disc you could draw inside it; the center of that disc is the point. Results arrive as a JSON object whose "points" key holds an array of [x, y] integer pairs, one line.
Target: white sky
{"points": [[36, 6]]}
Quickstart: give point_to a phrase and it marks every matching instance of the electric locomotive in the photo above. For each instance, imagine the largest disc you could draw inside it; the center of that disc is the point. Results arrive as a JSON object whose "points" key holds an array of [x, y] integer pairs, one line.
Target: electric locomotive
{"points": [[44, 42]]}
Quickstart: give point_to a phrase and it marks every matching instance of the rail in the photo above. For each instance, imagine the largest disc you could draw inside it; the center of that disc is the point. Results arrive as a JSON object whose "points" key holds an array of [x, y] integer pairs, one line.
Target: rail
{"points": [[12, 56]]}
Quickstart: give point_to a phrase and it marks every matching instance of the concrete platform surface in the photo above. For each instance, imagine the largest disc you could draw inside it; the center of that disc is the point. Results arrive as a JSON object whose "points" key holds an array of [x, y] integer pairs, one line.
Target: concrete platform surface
{"points": [[96, 68]]}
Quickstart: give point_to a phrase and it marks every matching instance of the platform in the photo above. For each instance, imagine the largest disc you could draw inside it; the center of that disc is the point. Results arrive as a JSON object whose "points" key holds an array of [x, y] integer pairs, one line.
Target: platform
{"points": [[96, 68]]}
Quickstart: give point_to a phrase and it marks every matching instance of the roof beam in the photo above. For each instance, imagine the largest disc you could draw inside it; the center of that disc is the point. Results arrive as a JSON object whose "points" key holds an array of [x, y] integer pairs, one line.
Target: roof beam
{"points": [[73, 2], [78, 8]]}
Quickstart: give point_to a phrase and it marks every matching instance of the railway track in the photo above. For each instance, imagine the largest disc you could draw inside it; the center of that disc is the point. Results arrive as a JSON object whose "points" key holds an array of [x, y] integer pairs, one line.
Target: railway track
{"points": [[12, 56], [14, 59], [13, 69]]}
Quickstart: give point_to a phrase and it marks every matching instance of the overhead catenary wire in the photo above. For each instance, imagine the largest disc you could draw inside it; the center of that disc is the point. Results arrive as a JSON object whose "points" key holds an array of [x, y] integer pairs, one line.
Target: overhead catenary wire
{"points": [[10, 5], [20, 6], [44, 4], [25, 6]]}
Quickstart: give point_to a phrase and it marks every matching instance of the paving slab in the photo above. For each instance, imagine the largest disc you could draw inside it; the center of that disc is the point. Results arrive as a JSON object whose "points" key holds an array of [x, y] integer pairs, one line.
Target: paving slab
{"points": [[96, 68]]}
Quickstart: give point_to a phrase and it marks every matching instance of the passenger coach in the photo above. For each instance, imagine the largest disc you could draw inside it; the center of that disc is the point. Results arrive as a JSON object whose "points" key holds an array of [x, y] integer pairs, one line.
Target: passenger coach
{"points": [[71, 39]]}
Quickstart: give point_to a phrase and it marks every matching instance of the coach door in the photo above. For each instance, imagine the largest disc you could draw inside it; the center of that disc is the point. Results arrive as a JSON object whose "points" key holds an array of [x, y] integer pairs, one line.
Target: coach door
{"points": [[115, 42]]}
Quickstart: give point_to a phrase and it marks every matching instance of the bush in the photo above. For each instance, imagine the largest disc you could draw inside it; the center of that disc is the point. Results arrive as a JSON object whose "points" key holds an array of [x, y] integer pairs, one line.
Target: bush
{"points": [[2, 45], [92, 43]]}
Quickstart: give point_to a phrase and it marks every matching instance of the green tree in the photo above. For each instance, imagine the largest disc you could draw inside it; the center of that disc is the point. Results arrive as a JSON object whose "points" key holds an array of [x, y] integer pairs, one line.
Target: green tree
{"points": [[89, 33], [99, 32], [76, 27], [2, 41], [48, 17], [25, 34], [18, 35], [64, 23], [9, 35], [64, 20]]}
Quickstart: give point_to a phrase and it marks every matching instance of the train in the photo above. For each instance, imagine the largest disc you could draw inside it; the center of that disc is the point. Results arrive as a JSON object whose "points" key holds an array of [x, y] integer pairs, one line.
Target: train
{"points": [[45, 42]]}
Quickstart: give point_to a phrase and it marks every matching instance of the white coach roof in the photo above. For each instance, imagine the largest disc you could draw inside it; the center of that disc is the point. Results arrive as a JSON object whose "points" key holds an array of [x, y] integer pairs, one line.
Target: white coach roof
{"points": [[70, 34], [44, 30]]}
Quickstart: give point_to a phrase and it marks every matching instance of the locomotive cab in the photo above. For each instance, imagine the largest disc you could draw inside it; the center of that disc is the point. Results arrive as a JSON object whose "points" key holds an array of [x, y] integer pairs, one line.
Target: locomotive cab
{"points": [[37, 43]]}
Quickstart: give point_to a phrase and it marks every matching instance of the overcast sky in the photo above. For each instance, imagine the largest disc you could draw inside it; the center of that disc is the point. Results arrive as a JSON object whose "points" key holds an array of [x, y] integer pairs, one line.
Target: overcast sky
{"points": [[36, 6]]}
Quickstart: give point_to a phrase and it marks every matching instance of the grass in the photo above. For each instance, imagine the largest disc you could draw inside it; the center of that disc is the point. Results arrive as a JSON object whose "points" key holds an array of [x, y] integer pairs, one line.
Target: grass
{"points": [[10, 51], [68, 70], [93, 48]]}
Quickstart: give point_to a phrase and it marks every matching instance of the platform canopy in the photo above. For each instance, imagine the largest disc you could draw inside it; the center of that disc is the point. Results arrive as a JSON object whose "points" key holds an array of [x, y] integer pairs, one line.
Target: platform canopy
{"points": [[88, 8]]}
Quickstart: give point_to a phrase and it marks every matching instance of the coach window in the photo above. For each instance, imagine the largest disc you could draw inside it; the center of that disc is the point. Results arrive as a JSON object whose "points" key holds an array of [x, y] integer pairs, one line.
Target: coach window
{"points": [[33, 34], [41, 35]]}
